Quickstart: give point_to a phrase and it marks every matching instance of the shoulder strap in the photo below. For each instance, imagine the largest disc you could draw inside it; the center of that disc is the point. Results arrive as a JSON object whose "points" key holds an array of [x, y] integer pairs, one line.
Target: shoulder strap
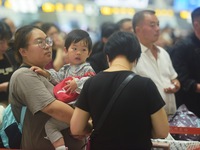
{"points": [[23, 112], [112, 101]]}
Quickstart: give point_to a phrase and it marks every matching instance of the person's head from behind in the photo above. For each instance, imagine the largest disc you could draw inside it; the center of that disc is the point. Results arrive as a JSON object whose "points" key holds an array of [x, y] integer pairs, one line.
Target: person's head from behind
{"points": [[196, 21], [108, 28], [125, 24], [32, 46], [5, 36], [37, 23], [78, 46], [146, 26], [123, 44], [10, 23]]}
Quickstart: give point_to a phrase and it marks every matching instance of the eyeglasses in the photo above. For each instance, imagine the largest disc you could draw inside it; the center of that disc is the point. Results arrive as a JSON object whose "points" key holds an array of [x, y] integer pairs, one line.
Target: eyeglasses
{"points": [[42, 43]]}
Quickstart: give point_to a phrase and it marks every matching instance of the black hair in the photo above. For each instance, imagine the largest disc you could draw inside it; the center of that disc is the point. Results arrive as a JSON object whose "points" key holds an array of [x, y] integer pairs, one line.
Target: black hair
{"points": [[76, 36], [21, 39], [5, 32], [195, 14], [123, 43], [139, 16], [107, 28]]}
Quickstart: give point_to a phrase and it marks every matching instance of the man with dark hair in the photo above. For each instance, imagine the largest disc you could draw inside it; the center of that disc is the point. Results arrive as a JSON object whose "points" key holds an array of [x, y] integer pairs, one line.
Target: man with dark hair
{"points": [[185, 55], [155, 62]]}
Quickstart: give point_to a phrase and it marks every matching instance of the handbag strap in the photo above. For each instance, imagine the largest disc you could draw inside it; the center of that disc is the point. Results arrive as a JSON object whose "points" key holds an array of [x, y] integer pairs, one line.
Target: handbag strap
{"points": [[112, 101]]}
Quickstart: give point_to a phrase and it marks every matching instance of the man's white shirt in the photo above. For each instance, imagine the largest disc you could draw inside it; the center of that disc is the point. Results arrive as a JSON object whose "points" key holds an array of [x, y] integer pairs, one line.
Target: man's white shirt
{"points": [[161, 72]]}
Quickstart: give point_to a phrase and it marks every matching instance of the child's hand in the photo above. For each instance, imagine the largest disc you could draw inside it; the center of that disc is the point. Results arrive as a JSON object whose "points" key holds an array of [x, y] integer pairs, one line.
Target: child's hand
{"points": [[71, 86], [40, 71]]}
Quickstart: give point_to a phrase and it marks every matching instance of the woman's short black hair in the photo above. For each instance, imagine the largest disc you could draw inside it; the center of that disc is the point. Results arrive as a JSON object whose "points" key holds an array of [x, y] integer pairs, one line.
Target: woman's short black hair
{"points": [[5, 32], [76, 36], [107, 28], [123, 43]]}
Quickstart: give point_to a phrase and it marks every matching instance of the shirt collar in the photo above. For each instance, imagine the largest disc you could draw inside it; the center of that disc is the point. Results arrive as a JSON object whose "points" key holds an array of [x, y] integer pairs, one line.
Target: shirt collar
{"points": [[145, 49]]}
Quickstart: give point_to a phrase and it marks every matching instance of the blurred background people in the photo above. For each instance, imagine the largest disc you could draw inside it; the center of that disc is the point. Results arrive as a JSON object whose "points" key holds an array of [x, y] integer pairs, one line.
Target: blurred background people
{"points": [[6, 66], [97, 58], [37, 23], [166, 37], [185, 55], [10, 23], [58, 59], [125, 24], [155, 62], [10, 51]]}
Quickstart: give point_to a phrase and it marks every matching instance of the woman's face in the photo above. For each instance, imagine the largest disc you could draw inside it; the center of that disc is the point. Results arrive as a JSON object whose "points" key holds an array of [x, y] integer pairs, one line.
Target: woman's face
{"points": [[34, 54], [58, 41]]}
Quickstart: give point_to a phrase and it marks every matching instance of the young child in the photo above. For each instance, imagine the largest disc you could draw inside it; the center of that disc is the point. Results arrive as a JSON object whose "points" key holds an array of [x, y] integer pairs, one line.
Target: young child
{"points": [[73, 75]]}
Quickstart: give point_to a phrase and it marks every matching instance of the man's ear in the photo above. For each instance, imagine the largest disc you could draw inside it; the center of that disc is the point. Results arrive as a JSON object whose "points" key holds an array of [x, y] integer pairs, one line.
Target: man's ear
{"points": [[137, 29]]}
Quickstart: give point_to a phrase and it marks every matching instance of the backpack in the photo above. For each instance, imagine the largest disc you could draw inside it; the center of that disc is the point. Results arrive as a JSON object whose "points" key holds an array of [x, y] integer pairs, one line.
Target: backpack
{"points": [[11, 130]]}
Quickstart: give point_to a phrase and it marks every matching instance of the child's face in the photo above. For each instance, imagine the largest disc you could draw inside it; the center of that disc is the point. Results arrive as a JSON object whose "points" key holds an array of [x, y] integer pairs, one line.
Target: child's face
{"points": [[78, 53]]}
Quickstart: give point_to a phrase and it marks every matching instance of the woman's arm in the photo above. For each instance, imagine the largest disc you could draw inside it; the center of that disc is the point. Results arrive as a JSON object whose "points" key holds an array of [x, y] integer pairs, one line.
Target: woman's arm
{"points": [[79, 123], [59, 111], [159, 124]]}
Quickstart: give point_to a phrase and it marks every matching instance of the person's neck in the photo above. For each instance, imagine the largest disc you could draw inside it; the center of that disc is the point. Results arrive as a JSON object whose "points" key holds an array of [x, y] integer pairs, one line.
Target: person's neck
{"points": [[120, 63], [148, 45], [30, 64], [152, 48]]}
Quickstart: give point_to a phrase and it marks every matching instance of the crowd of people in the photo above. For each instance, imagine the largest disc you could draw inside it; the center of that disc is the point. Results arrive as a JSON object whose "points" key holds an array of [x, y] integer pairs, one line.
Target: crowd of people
{"points": [[35, 58]]}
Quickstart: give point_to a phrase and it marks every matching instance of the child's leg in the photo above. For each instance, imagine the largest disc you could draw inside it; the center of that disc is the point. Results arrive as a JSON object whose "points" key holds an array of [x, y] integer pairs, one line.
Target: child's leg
{"points": [[53, 128]]}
